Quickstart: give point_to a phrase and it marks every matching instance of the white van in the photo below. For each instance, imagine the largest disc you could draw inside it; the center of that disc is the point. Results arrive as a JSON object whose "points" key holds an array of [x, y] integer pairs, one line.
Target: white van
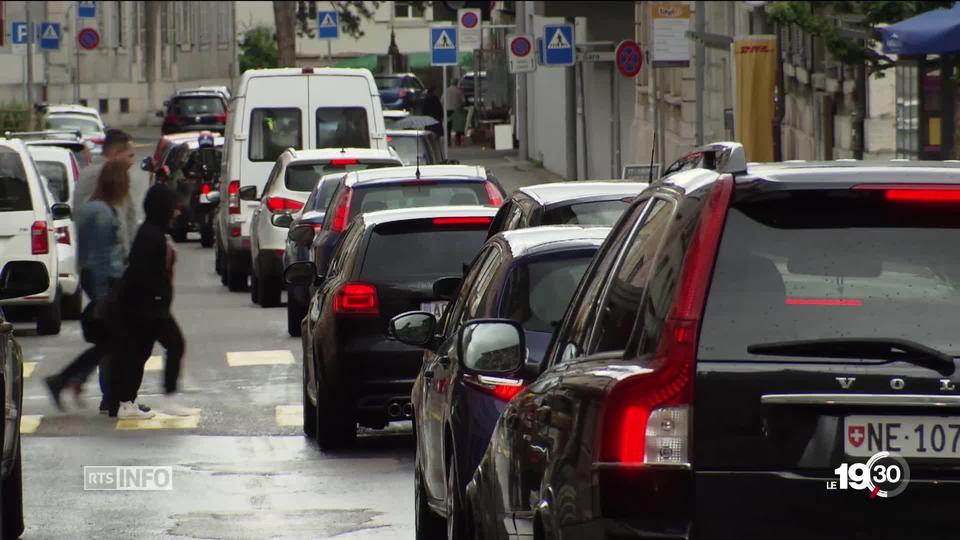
{"points": [[275, 109]]}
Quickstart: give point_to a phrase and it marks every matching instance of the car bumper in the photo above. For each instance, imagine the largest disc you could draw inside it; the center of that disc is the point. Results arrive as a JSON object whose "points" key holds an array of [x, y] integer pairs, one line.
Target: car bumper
{"points": [[69, 283], [380, 372]]}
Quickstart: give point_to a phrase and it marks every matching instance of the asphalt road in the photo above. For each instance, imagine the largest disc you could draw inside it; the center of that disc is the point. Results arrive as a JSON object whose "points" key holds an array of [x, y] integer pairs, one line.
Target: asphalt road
{"points": [[241, 467]]}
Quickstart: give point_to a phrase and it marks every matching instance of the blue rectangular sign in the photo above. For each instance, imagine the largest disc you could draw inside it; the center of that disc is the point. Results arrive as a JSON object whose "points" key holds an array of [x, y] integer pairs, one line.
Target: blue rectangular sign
{"points": [[328, 25], [50, 36], [18, 33], [443, 46], [558, 45], [87, 9]]}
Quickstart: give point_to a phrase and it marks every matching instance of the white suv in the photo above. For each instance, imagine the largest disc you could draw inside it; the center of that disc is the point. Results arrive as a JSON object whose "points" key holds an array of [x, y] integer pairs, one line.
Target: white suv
{"points": [[294, 176], [27, 235]]}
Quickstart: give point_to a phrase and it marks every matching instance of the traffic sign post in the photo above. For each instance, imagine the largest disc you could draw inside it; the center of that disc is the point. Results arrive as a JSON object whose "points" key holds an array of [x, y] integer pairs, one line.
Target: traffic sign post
{"points": [[468, 29], [629, 58], [88, 38], [328, 25], [443, 46], [521, 54], [87, 10], [50, 36], [558, 45]]}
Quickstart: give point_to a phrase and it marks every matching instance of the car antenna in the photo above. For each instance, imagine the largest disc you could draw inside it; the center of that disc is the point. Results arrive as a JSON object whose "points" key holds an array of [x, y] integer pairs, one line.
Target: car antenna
{"points": [[418, 154]]}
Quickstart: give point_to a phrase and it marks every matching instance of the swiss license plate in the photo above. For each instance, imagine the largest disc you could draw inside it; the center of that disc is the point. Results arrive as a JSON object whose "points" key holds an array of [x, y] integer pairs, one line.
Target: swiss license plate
{"points": [[909, 436], [434, 307]]}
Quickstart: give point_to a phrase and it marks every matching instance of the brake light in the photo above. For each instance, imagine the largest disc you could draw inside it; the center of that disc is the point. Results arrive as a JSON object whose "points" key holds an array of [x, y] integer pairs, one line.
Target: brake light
{"points": [[171, 119], [233, 197], [222, 117], [281, 204], [493, 194], [503, 389], [235, 231], [75, 166], [341, 162], [923, 193], [307, 70], [646, 418], [39, 241], [462, 221], [63, 235], [205, 188], [342, 211], [357, 299]]}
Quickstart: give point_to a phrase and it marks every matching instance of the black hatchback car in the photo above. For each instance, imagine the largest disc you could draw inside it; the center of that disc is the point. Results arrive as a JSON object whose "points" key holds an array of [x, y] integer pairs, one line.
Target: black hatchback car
{"points": [[385, 264], [525, 276], [194, 112], [566, 203], [739, 346]]}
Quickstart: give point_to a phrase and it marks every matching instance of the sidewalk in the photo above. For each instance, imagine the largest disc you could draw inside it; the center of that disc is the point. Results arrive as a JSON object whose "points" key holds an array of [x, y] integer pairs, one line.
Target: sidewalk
{"points": [[512, 172]]}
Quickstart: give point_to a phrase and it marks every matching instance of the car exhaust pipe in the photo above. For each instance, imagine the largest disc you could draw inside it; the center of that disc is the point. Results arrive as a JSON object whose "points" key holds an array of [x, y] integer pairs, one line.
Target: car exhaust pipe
{"points": [[394, 410], [407, 410]]}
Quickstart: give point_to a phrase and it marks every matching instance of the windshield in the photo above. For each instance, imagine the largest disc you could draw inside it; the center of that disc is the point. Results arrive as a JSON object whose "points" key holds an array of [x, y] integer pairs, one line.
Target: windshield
{"points": [[387, 83], [539, 291], [856, 267], [188, 106], [304, 176], [85, 125], [439, 252], [407, 147], [393, 196], [56, 175], [589, 213]]}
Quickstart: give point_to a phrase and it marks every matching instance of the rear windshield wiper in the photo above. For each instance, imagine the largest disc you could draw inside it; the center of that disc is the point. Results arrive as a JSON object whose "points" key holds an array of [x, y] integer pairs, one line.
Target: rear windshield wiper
{"points": [[903, 350]]}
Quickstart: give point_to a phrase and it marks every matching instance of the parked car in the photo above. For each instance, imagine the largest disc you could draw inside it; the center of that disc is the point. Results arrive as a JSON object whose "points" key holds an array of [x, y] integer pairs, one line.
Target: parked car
{"points": [[58, 166], [402, 187], [729, 340], [276, 109], [410, 143], [27, 224], [86, 120], [523, 278], [566, 203], [468, 86], [401, 91], [353, 372], [391, 117], [68, 139], [196, 111], [294, 176]]}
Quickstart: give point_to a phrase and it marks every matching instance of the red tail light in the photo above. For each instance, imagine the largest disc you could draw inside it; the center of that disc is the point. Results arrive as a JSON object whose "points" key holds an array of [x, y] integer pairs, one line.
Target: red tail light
{"points": [[171, 119], [462, 221], [342, 211], [646, 419], [922, 193], [357, 299], [222, 117], [342, 162], [233, 197], [281, 204], [504, 389], [75, 167], [63, 235], [235, 231], [205, 188], [493, 194], [39, 241], [307, 70]]}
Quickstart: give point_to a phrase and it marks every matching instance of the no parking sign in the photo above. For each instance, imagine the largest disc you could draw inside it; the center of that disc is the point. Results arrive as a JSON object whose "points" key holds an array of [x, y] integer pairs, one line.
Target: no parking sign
{"points": [[522, 59]]}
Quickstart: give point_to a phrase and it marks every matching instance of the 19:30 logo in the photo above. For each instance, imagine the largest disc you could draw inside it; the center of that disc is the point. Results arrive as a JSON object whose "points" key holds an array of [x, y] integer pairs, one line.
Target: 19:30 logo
{"points": [[884, 475]]}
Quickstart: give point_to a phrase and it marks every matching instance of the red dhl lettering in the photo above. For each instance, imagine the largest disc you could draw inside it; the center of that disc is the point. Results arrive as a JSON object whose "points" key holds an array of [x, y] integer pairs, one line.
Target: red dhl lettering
{"points": [[754, 49]]}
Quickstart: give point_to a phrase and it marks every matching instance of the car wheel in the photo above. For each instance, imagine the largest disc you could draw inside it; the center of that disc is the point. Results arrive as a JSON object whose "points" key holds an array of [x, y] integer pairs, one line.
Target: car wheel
{"points": [[309, 410], [336, 426], [206, 238], [254, 289], [179, 234], [236, 279], [429, 525], [295, 314], [456, 522], [72, 306], [269, 292], [11, 500], [50, 317]]}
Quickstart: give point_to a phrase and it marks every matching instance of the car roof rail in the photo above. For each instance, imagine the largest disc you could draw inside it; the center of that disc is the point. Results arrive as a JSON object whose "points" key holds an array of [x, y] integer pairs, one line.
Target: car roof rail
{"points": [[723, 157], [45, 134]]}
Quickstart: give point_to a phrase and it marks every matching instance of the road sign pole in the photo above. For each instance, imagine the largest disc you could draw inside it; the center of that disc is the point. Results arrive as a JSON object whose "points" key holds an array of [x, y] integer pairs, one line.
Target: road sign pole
{"points": [[29, 67], [76, 46], [330, 53], [446, 134]]}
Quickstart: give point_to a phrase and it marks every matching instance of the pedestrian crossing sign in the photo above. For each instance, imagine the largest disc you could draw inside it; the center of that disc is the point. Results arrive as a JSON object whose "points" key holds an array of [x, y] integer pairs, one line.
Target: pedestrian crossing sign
{"points": [[558, 45], [328, 25], [443, 46]]}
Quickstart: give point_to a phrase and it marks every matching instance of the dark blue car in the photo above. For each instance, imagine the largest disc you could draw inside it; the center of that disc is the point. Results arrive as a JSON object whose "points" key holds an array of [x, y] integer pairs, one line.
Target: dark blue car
{"points": [[401, 91], [524, 278]]}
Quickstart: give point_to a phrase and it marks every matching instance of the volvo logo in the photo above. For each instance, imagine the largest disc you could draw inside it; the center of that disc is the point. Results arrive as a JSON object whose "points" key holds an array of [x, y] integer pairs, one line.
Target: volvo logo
{"points": [[946, 385], [846, 382]]}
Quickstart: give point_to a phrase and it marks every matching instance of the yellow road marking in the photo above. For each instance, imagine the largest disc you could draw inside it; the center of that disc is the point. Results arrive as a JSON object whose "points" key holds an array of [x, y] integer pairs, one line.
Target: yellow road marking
{"points": [[289, 415], [259, 358], [28, 368], [154, 363], [30, 422], [161, 421]]}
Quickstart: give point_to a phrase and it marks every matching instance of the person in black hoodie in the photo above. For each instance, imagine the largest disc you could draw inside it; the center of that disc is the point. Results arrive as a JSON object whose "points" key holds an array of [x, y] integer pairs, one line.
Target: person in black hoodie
{"points": [[143, 307]]}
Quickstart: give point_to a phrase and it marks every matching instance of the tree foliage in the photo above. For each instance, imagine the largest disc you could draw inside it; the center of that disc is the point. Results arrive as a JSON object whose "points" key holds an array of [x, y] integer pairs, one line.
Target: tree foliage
{"points": [[258, 48], [818, 19]]}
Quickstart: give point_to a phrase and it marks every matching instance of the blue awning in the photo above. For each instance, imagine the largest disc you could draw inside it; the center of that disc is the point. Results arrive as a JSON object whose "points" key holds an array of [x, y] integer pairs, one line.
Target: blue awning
{"points": [[933, 32]]}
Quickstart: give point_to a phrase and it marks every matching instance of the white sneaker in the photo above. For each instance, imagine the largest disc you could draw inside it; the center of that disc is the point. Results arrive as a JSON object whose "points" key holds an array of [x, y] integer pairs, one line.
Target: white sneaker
{"points": [[169, 405], [129, 411]]}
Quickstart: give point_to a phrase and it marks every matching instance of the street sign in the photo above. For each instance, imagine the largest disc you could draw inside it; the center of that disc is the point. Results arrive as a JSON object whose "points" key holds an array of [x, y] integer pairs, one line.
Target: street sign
{"points": [[468, 29], [50, 36], [558, 45], [88, 38], [629, 58], [18, 33], [87, 10], [595, 56], [522, 59], [443, 46], [671, 22], [328, 25]]}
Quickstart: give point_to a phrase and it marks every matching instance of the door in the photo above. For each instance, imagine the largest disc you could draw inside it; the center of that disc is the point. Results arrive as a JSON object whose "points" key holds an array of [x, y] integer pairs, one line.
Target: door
{"points": [[17, 212], [260, 219], [344, 112]]}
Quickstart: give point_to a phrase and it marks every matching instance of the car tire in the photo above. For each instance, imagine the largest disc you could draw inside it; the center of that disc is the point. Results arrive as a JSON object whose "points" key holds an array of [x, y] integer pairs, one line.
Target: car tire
{"points": [[236, 279], [336, 426], [295, 314], [429, 526], [254, 289], [50, 317], [456, 520], [72, 306], [269, 292], [11, 499], [309, 410], [179, 234], [218, 261], [206, 238]]}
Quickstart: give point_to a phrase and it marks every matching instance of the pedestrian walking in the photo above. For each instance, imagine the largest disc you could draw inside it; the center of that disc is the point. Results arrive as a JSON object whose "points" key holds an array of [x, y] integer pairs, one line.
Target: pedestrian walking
{"points": [[117, 146], [144, 309], [433, 108], [101, 263], [453, 102]]}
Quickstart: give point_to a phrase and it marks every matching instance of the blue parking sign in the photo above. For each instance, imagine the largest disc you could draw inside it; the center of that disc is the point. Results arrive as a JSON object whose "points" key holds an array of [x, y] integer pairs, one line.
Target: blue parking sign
{"points": [[87, 9], [328, 25], [558, 45], [443, 46], [18, 33], [50, 36]]}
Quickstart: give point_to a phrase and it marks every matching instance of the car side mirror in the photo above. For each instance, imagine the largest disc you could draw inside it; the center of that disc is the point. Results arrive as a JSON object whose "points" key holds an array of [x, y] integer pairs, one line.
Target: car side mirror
{"points": [[146, 164], [413, 328], [23, 279], [61, 211], [282, 220], [248, 193], [446, 288], [213, 197], [492, 346], [302, 235], [302, 273]]}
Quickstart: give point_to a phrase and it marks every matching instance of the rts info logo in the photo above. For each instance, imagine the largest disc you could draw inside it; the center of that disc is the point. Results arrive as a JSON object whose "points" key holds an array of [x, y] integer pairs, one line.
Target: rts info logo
{"points": [[884, 475]]}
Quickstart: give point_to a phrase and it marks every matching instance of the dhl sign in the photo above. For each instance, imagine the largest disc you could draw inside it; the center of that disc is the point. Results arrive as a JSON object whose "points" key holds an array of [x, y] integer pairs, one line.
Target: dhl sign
{"points": [[670, 11]]}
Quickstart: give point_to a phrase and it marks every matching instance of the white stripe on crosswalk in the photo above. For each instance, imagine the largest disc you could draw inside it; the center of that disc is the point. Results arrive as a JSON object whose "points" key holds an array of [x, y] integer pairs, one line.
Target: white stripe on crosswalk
{"points": [[289, 415], [30, 422], [259, 358]]}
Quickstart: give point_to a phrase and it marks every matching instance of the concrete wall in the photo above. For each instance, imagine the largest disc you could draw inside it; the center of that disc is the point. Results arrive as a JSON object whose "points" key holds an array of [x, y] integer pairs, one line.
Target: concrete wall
{"points": [[548, 101]]}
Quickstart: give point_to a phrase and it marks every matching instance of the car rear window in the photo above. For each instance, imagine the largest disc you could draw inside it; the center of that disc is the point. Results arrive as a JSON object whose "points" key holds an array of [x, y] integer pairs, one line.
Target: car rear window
{"points": [[84, 125], [420, 252], [416, 195], [342, 127], [195, 105], [833, 264], [539, 290], [304, 176], [386, 83], [408, 147], [272, 131], [56, 175], [14, 189], [588, 213]]}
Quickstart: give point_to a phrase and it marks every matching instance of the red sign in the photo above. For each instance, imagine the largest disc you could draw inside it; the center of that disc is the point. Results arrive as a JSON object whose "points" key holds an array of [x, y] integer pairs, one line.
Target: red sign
{"points": [[88, 38], [469, 19], [520, 46], [629, 58]]}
